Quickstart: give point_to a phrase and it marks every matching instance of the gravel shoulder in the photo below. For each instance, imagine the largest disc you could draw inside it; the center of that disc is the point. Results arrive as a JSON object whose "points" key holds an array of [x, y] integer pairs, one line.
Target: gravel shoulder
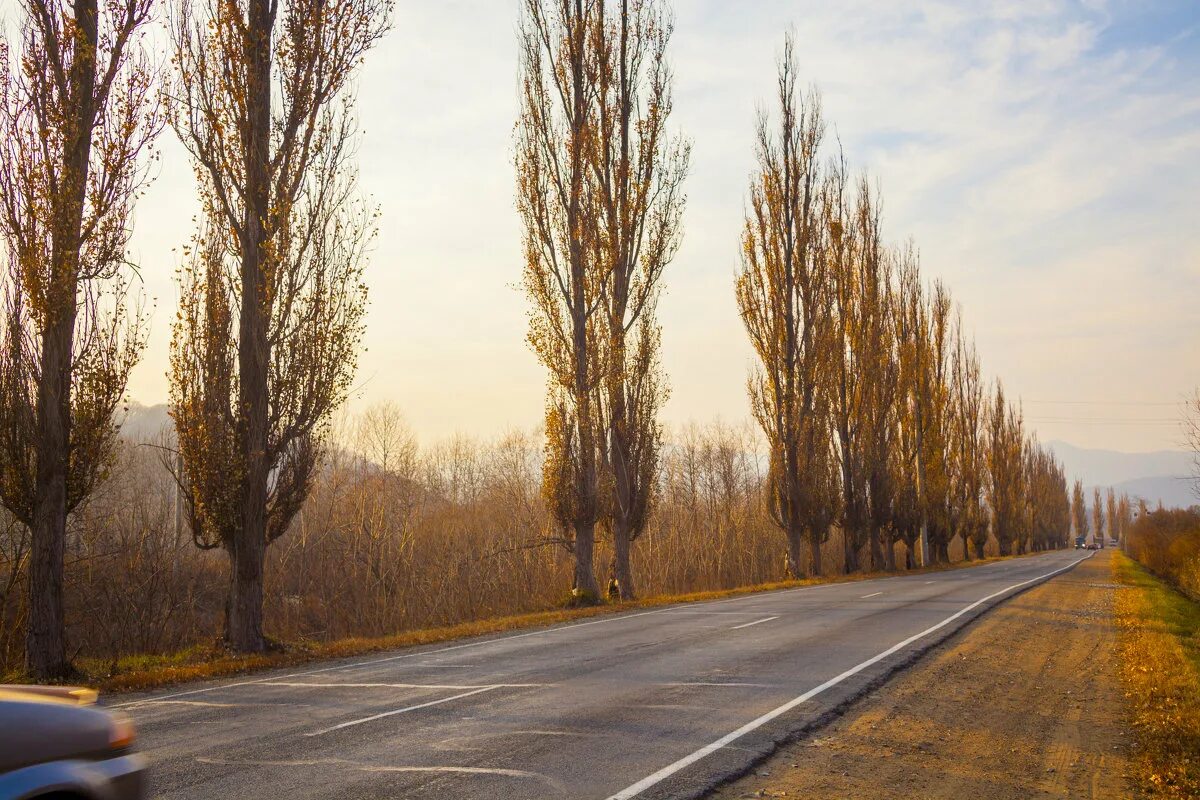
{"points": [[1025, 703]]}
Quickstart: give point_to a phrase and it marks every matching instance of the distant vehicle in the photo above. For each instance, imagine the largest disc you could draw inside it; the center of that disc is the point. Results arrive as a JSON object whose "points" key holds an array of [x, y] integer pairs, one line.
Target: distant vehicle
{"points": [[1093, 546], [1080, 542], [1113, 543], [56, 745]]}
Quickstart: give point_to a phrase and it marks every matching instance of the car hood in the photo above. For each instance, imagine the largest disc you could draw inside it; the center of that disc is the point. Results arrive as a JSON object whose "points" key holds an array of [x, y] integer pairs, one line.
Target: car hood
{"points": [[39, 727]]}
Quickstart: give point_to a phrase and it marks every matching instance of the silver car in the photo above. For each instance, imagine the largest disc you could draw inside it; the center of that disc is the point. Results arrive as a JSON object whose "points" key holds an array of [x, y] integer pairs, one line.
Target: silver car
{"points": [[55, 743]]}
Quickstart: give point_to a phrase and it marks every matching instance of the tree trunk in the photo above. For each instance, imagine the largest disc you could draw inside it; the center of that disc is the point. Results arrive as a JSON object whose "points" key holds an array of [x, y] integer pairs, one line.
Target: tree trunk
{"points": [[585, 573], [889, 552], [45, 647], [966, 547], [794, 552], [876, 548], [254, 353], [943, 552], [850, 549], [621, 566], [814, 546], [45, 652], [243, 624]]}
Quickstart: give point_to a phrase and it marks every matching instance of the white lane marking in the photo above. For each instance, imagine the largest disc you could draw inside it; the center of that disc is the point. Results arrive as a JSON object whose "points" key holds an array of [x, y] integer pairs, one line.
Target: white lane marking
{"points": [[865, 596], [483, 643], [928, 582], [403, 685], [714, 683], [756, 622], [314, 762], [501, 639], [671, 769], [406, 709]]}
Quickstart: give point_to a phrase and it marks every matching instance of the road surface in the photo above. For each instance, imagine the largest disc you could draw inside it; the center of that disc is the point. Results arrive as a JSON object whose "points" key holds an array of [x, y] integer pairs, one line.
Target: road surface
{"points": [[648, 704]]}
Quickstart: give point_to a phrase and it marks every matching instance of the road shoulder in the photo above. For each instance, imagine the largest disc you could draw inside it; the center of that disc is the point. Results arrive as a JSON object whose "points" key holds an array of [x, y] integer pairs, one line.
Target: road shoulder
{"points": [[1024, 703]]}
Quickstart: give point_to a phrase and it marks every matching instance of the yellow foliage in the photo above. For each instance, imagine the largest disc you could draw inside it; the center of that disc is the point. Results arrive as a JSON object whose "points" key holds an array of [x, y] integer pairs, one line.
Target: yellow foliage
{"points": [[1160, 665]]}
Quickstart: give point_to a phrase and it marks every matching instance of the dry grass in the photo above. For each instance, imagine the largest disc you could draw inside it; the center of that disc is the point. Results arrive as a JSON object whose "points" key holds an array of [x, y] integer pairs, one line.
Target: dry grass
{"points": [[1160, 655], [145, 672]]}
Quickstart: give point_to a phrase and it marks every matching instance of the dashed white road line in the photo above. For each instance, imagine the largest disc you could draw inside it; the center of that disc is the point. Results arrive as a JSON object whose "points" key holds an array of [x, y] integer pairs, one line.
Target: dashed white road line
{"points": [[866, 596], [406, 709], [671, 769], [401, 685], [496, 640], [756, 622], [713, 683]]}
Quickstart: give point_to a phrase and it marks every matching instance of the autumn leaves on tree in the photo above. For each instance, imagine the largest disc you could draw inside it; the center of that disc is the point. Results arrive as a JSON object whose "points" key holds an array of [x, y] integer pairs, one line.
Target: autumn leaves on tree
{"points": [[866, 389], [78, 115], [599, 190], [267, 337]]}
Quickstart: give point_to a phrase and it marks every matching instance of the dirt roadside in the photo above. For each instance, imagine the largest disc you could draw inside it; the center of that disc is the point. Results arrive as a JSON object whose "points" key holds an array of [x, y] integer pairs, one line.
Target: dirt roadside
{"points": [[1026, 703]]}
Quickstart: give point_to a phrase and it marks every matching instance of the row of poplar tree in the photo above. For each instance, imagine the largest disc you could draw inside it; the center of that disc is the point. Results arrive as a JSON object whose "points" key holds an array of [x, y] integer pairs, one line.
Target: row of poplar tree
{"points": [[867, 393], [867, 389]]}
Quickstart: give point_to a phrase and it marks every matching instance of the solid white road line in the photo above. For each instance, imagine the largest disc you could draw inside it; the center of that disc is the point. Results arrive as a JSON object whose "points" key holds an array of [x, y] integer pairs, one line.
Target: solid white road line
{"points": [[865, 596], [401, 711], [671, 769], [498, 640], [756, 622]]}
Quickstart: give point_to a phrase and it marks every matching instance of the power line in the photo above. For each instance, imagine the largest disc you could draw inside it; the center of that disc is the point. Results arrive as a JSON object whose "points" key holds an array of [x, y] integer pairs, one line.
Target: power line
{"points": [[1107, 402], [1069, 421]]}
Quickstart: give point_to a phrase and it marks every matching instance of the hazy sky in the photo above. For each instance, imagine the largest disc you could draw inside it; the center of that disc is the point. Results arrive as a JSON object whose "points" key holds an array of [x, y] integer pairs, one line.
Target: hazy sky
{"points": [[1043, 154]]}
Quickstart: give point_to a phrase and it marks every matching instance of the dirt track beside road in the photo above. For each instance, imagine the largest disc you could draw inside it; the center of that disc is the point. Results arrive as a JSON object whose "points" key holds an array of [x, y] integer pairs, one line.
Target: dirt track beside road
{"points": [[1026, 703]]}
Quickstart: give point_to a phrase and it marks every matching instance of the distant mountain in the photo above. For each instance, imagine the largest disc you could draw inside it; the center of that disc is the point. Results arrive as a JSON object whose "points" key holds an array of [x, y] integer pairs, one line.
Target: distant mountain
{"points": [[144, 423], [1164, 475], [1171, 492], [1110, 467]]}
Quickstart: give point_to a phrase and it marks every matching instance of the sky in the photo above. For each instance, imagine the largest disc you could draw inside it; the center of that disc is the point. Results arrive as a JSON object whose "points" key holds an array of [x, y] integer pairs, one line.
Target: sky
{"points": [[1043, 155]]}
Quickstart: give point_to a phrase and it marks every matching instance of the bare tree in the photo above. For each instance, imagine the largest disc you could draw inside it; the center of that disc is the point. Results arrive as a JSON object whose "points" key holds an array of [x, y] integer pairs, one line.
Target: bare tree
{"points": [[967, 457], [1005, 462], [923, 330], [1110, 506], [853, 240], [1097, 518], [77, 118], [564, 277], [1079, 514], [784, 296], [639, 173], [1191, 432], [266, 341]]}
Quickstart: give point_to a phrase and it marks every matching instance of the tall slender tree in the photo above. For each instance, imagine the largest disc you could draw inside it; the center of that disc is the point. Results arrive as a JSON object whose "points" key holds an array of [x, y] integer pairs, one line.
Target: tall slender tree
{"points": [[1097, 518], [880, 425], [78, 115], [272, 297], [854, 254], [1079, 514], [1005, 462], [565, 277], [967, 456], [784, 296], [1110, 506], [638, 176]]}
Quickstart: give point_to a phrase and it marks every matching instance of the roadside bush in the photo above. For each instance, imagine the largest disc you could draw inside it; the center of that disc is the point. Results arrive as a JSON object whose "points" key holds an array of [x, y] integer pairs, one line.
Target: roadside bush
{"points": [[1167, 542]]}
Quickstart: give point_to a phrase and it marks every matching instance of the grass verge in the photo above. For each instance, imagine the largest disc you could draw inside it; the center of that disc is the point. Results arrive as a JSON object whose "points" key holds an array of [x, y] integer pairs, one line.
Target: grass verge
{"points": [[144, 672], [1160, 664]]}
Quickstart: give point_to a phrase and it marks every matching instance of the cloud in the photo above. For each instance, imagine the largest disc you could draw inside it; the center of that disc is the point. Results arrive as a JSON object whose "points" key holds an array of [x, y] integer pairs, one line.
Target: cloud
{"points": [[1044, 154]]}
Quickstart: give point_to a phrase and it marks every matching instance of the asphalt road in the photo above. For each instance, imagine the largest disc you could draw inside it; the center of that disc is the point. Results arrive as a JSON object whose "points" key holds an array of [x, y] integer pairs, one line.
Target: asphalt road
{"points": [[648, 704]]}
